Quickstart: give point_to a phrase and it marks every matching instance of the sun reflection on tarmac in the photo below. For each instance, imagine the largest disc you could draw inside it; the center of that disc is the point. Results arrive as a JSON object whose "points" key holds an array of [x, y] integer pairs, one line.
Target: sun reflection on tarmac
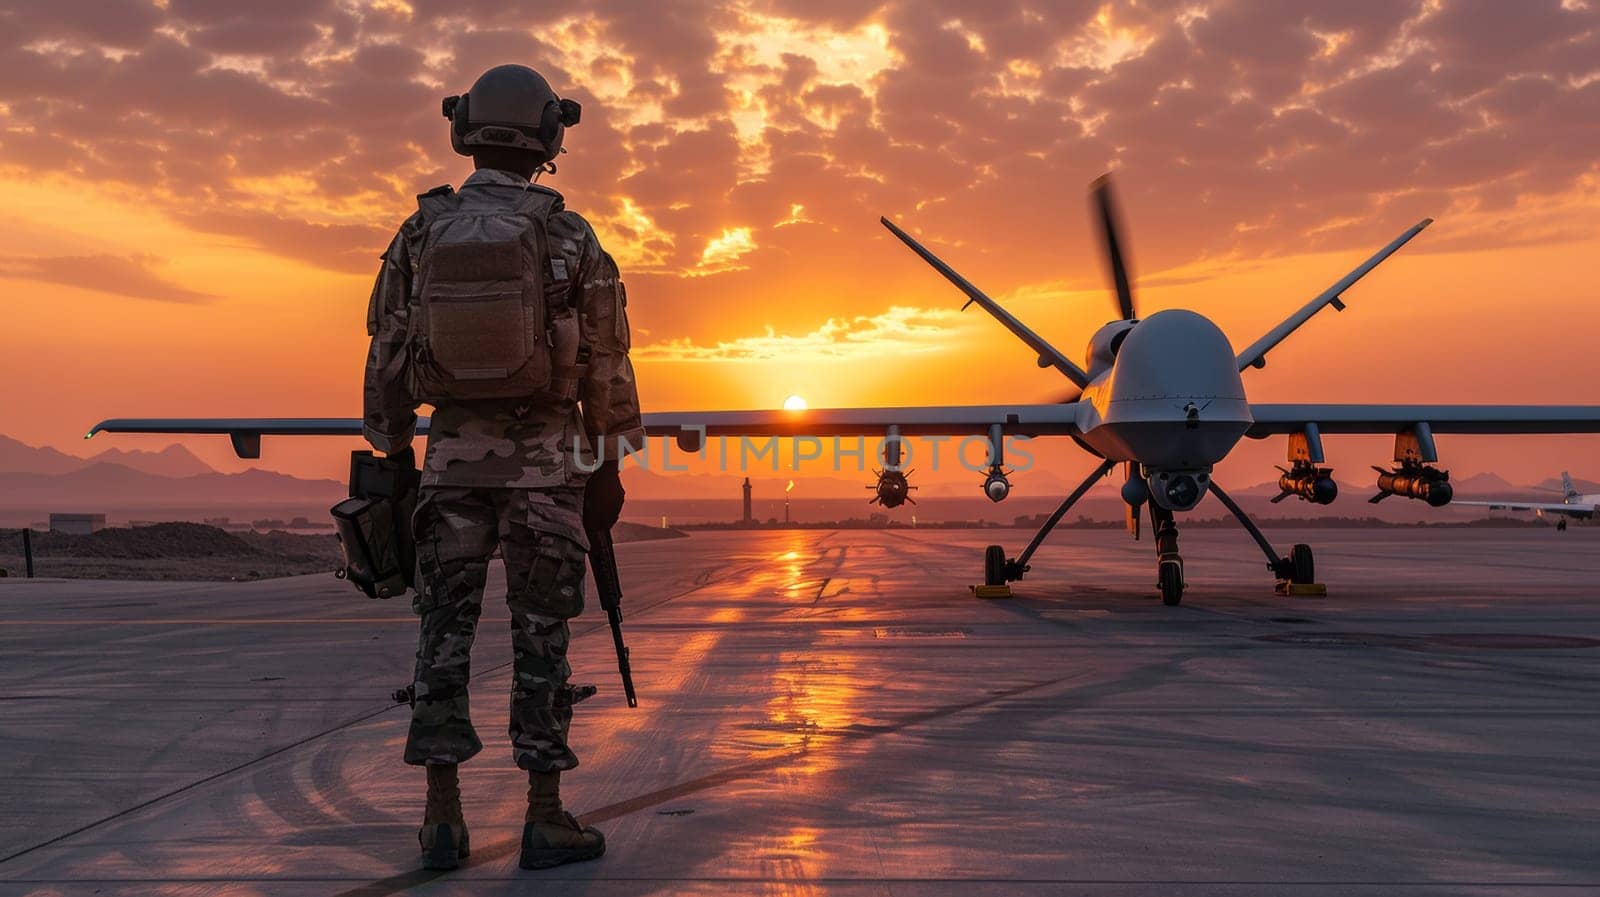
{"points": [[813, 696], [792, 564], [805, 697], [811, 693]]}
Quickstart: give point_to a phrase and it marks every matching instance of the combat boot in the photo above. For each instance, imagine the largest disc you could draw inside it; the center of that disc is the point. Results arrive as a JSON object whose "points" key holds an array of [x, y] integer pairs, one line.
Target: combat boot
{"points": [[550, 835], [444, 833]]}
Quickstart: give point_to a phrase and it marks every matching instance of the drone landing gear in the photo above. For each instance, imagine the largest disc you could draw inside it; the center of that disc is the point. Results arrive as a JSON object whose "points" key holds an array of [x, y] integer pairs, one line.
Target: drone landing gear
{"points": [[994, 566], [1301, 568], [999, 570], [1169, 564], [1296, 573]]}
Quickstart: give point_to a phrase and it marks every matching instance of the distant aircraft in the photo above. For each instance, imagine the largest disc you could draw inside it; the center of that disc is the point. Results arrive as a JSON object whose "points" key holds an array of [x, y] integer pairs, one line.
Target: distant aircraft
{"points": [[1161, 396], [1573, 504]]}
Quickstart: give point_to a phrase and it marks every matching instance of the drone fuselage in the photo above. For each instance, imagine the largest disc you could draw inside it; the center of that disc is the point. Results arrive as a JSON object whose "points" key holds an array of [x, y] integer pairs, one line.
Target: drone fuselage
{"points": [[1168, 397]]}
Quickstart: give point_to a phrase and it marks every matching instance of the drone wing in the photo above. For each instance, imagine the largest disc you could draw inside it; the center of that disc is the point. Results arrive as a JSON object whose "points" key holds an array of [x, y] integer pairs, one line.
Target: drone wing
{"points": [[1271, 419], [1049, 356], [1256, 354], [1542, 507], [926, 420], [244, 432]]}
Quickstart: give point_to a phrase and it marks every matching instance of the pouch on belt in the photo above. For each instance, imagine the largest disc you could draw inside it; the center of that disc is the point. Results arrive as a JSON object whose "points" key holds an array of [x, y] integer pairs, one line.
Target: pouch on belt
{"points": [[374, 525]]}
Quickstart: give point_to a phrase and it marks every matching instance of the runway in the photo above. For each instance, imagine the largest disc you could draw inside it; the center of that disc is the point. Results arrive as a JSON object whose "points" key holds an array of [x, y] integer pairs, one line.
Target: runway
{"points": [[835, 713]]}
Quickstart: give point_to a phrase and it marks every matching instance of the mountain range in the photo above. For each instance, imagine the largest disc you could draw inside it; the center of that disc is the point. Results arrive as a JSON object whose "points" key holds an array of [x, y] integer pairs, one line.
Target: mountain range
{"points": [[172, 461], [40, 479], [105, 486]]}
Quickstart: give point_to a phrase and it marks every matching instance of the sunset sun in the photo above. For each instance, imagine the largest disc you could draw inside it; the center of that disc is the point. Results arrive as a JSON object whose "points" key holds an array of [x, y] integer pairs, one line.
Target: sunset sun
{"points": [[794, 403]]}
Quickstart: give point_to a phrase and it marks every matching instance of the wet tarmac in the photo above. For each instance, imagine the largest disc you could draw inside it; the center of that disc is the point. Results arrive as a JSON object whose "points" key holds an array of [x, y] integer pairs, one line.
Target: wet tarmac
{"points": [[835, 713]]}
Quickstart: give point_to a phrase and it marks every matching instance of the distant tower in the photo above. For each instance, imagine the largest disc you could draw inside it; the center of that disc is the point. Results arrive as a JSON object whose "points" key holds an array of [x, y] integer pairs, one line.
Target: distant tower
{"points": [[748, 521]]}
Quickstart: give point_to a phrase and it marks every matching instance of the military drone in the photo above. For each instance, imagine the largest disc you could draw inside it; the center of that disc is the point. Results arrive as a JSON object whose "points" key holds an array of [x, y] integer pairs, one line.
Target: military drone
{"points": [[1161, 397]]}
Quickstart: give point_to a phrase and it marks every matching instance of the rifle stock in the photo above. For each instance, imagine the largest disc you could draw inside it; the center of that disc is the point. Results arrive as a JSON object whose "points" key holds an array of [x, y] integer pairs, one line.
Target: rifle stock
{"points": [[603, 559]]}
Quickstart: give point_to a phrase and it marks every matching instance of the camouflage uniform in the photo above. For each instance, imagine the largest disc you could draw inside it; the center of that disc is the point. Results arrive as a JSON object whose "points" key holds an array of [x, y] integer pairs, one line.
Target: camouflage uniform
{"points": [[503, 473]]}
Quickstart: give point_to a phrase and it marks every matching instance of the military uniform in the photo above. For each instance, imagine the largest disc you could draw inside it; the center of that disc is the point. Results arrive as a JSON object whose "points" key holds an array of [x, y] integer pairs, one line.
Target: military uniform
{"points": [[506, 473]]}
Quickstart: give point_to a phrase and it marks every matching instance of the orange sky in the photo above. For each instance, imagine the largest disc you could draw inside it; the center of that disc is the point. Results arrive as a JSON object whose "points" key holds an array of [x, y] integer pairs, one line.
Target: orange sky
{"points": [[196, 192]]}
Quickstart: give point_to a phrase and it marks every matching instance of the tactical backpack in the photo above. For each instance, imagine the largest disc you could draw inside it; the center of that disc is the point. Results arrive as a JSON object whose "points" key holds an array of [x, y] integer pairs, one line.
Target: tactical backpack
{"points": [[481, 296]]}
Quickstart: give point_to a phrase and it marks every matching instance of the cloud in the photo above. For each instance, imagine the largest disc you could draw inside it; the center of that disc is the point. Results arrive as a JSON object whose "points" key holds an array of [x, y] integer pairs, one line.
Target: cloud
{"points": [[898, 331], [1240, 127], [724, 251], [131, 276], [336, 246]]}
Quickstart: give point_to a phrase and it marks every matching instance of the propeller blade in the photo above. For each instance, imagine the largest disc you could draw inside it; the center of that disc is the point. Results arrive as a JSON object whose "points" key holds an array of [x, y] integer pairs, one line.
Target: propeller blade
{"points": [[1100, 192]]}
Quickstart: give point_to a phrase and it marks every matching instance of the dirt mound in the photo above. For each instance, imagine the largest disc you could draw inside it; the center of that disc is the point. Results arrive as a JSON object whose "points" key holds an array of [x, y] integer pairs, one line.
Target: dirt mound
{"points": [[160, 540], [295, 547], [193, 551], [179, 551]]}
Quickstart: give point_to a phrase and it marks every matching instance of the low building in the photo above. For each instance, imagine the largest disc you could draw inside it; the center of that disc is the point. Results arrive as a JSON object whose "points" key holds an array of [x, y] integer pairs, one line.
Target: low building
{"points": [[77, 524]]}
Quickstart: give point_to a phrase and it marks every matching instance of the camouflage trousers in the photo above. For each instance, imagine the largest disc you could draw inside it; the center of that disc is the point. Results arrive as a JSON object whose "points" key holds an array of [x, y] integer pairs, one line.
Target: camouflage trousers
{"points": [[457, 530]]}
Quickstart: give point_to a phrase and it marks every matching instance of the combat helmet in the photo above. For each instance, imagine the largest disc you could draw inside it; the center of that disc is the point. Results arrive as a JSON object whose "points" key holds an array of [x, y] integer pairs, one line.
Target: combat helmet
{"points": [[510, 106]]}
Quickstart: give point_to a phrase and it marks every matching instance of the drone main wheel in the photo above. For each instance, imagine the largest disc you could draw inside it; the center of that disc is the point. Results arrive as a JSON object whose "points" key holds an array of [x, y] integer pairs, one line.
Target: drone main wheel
{"points": [[1170, 578], [1300, 562], [994, 566]]}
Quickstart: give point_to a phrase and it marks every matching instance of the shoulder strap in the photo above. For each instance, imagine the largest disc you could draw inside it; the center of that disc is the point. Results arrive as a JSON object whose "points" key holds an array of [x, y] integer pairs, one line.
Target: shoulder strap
{"points": [[550, 192], [440, 199], [539, 203]]}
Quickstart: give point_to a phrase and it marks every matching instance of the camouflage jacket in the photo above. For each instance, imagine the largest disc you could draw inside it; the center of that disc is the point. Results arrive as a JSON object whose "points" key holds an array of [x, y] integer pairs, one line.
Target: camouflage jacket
{"points": [[525, 444]]}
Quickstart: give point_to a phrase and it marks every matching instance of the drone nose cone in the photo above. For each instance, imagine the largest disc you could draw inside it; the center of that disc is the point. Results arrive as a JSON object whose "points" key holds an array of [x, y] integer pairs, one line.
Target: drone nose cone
{"points": [[1178, 353], [1173, 400]]}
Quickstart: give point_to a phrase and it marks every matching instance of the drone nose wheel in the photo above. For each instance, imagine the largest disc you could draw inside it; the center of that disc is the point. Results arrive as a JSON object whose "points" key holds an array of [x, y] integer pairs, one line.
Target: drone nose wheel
{"points": [[1169, 578]]}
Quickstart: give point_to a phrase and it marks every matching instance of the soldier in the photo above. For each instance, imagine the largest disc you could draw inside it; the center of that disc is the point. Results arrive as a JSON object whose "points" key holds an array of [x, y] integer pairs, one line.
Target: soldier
{"points": [[497, 306]]}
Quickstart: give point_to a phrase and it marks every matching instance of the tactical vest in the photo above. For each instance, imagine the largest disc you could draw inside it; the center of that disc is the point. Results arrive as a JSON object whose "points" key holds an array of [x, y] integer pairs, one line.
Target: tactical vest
{"points": [[482, 297]]}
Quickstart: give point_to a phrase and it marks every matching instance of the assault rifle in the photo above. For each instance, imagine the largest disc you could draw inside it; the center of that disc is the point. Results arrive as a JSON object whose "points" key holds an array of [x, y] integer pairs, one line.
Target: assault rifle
{"points": [[603, 558]]}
